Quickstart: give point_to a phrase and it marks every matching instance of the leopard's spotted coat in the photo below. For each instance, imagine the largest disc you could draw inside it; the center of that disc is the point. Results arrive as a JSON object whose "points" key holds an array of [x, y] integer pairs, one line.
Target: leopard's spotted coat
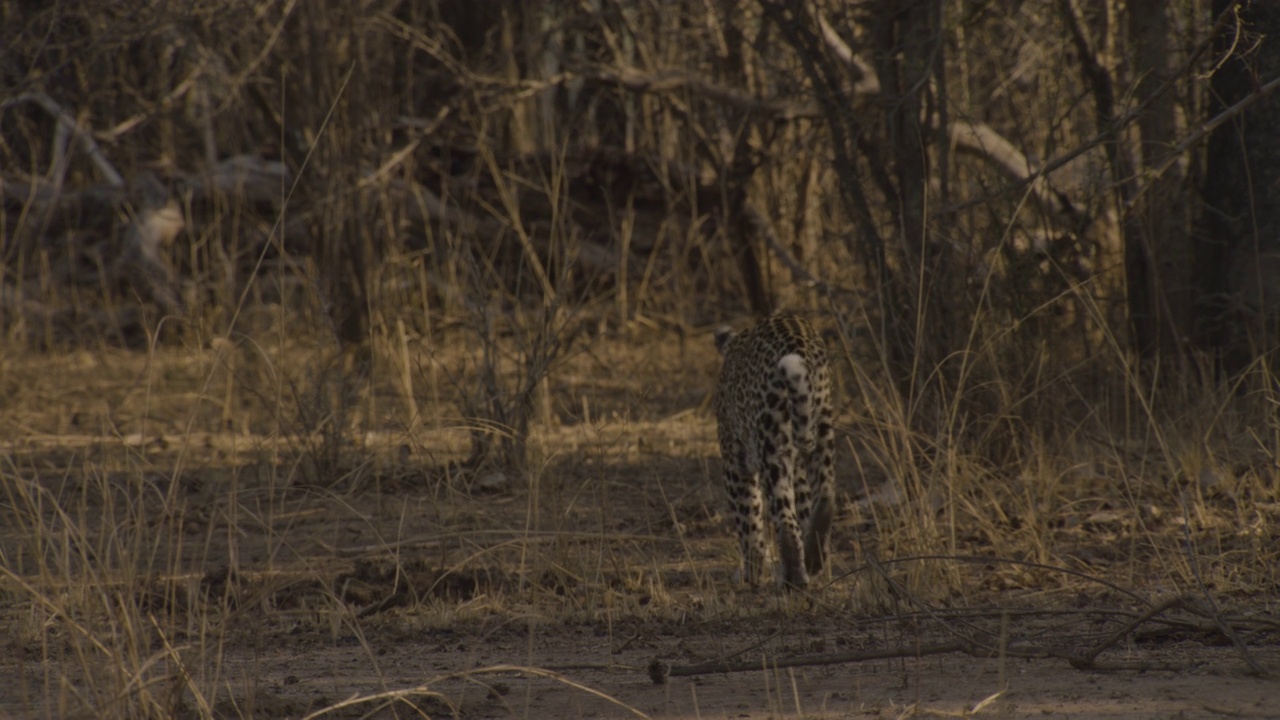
{"points": [[774, 417]]}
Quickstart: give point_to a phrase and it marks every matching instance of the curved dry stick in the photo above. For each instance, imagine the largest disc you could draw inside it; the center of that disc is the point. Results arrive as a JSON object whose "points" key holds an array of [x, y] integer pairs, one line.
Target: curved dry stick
{"points": [[660, 671], [867, 81], [424, 690], [68, 124], [982, 141]]}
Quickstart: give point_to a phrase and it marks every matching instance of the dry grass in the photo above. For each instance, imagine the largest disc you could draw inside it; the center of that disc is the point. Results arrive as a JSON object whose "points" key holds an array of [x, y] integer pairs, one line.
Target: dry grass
{"points": [[147, 553]]}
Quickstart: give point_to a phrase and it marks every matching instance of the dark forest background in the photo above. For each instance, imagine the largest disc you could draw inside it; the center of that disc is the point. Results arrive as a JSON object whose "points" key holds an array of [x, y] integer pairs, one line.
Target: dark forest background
{"points": [[987, 198]]}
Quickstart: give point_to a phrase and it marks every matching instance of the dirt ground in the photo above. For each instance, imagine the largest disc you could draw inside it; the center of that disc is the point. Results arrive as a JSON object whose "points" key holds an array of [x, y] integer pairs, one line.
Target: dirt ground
{"points": [[943, 687], [401, 588]]}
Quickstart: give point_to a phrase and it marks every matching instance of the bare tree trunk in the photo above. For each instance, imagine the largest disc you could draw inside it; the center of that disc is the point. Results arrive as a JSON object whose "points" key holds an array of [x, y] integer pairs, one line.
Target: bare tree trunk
{"points": [[1237, 252], [1162, 227], [735, 222], [1097, 59], [741, 233], [344, 240], [909, 45], [907, 49]]}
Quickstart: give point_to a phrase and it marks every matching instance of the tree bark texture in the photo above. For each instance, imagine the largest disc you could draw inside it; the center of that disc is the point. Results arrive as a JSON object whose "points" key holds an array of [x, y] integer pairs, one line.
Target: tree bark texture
{"points": [[1237, 252], [908, 46], [1164, 246]]}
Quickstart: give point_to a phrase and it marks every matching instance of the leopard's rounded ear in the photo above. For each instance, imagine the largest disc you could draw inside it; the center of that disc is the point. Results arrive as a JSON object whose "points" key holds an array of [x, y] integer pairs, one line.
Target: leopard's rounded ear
{"points": [[724, 334]]}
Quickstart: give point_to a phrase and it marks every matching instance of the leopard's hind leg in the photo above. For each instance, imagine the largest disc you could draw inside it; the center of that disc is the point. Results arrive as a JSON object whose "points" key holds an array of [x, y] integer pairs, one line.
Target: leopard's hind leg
{"points": [[778, 466], [747, 503], [820, 468]]}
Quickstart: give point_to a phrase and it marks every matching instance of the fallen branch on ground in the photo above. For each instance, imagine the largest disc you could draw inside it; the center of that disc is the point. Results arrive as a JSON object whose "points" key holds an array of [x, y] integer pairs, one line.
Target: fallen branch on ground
{"points": [[968, 637]]}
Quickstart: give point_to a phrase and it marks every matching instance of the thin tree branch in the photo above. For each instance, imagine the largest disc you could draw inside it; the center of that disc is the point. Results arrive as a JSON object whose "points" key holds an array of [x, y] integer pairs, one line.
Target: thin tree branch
{"points": [[68, 124]]}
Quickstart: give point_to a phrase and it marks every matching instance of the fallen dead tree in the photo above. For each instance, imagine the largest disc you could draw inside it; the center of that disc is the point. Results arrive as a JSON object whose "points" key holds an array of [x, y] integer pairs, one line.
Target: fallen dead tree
{"points": [[112, 238], [1081, 637]]}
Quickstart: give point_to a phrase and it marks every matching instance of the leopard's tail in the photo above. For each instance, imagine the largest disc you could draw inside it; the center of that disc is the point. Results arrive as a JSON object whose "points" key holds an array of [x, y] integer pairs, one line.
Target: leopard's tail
{"points": [[799, 379]]}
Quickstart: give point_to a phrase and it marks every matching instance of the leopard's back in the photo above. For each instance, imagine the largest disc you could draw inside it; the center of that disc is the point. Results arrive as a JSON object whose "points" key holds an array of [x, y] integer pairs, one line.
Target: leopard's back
{"points": [[782, 359], [773, 413]]}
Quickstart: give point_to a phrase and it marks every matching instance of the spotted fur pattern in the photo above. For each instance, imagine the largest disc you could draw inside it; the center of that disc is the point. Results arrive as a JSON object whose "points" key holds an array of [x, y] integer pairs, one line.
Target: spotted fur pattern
{"points": [[773, 410]]}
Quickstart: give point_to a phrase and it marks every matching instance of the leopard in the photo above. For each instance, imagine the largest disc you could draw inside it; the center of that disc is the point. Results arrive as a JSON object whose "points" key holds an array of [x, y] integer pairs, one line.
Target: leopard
{"points": [[775, 428]]}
